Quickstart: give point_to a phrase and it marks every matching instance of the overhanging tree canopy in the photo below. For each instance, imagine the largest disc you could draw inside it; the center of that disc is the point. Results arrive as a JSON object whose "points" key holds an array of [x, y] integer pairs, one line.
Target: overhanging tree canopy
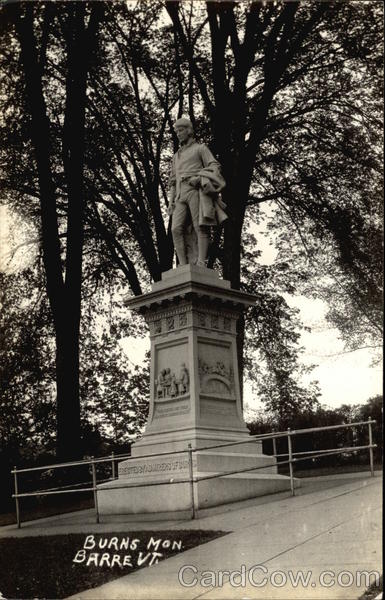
{"points": [[287, 96]]}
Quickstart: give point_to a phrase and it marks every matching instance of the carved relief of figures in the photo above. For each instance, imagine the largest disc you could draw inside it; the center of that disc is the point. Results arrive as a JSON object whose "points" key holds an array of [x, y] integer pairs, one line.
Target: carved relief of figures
{"points": [[160, 384], [173, 387], [219, 368], [167, 385], [184, 379], [216, 377], [167, 380]]}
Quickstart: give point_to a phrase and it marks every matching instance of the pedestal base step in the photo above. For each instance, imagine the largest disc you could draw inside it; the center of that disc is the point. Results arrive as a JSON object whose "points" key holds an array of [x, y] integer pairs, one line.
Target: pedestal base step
{"points": [[171, 497], [177, 465]]}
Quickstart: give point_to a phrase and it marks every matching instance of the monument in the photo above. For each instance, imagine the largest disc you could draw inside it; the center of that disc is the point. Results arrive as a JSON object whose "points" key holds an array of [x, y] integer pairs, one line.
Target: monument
{"points": [[195, 402]]}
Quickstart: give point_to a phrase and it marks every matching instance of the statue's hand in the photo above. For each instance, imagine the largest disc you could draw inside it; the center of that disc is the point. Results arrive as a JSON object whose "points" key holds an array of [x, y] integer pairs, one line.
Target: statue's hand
{"points": [[171, 208], [195, 182]]}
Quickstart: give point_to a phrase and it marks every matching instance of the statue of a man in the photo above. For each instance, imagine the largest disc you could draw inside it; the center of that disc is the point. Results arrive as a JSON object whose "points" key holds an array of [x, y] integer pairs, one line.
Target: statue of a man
{"points": [[194, 202]]}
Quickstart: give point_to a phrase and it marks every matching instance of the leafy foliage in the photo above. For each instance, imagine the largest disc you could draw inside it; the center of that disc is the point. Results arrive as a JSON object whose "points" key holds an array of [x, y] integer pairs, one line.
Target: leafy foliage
{"points": [[323, 416], [288, 97], [114, 394], [273, 356]]}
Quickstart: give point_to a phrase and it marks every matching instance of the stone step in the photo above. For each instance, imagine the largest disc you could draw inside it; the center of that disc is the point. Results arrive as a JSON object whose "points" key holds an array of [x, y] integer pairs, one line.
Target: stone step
{"points": [[232, 461], [116, 498], [154, 444], [176, 465], [241, 486]]}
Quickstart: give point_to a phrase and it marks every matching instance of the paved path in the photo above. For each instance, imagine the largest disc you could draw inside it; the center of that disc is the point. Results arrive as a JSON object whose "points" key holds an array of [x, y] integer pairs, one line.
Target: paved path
{"points": [[333, 528], [333, 524]]}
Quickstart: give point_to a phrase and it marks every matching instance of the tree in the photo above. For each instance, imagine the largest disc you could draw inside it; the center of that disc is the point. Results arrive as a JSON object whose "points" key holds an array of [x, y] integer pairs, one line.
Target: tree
{"points": [[274, 89], [320, 416], [64, 291], [114, 395], [272, 352], [27, 369], [288, 117]]}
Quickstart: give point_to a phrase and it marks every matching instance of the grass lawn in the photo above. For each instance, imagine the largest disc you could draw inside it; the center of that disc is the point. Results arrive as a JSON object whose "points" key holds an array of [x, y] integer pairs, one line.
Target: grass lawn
{"points": [[39, 512], [58, 566]]}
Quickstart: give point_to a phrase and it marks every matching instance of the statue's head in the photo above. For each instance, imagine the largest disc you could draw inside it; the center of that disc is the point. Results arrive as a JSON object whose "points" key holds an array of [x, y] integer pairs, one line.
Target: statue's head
{"points": [[183, 129]]}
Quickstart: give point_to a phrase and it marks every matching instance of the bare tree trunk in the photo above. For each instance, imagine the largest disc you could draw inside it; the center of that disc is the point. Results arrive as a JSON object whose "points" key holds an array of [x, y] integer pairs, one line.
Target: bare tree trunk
{"points": [[68, 444], [64, 295]]}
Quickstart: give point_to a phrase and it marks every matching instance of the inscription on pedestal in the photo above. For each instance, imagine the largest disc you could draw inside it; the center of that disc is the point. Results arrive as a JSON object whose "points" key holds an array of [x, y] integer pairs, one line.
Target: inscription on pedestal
{"points": [[154, 467], [217, 408], [171, 411]]}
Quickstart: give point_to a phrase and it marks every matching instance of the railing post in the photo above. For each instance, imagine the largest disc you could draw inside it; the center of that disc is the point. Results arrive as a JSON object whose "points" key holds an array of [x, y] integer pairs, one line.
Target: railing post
{"points": [[290, 451], [191, 477], [274, 445], [16, 498], [371, 449], [95, 492], [113, 465]]}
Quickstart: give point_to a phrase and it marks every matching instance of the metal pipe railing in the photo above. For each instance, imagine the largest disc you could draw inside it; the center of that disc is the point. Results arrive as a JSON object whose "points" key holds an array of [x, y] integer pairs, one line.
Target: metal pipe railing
{"points": [[292, 458], [17, 496], [279, 434], [87, 461], [191, 478], [290, 451], [284, 462], [345, 448], [113, 465], [95, 491], [371, 448]]}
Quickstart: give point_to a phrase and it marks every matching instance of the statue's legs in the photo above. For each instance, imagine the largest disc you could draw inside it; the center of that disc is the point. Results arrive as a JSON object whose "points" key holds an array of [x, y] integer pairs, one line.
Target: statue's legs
{"points": [[203, 245], [202, 232], [179, 218], [184, 208]]}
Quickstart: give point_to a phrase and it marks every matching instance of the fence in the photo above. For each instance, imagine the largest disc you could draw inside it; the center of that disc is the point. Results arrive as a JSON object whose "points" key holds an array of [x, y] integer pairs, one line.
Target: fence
{"points": [[293, 458]]}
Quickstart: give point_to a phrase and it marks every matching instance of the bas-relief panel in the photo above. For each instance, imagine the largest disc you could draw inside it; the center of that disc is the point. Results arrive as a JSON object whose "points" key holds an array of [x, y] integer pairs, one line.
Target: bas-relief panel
{"points": [[170, 385], [170, 368], [216, 371], [171, 380]]}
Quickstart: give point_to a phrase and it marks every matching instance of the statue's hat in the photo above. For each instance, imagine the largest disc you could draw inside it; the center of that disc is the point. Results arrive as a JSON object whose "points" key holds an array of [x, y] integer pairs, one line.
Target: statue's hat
{"points": [[183, 122]]}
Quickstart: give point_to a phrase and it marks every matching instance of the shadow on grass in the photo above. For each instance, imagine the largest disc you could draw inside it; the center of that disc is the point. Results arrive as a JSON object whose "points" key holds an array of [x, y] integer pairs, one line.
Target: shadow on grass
{"points": [[42, 511], [58, 566]]}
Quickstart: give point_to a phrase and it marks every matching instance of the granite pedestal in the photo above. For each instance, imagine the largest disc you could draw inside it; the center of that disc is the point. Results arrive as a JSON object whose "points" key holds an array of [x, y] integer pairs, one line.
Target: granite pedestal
{"points": [[194, 400]]}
